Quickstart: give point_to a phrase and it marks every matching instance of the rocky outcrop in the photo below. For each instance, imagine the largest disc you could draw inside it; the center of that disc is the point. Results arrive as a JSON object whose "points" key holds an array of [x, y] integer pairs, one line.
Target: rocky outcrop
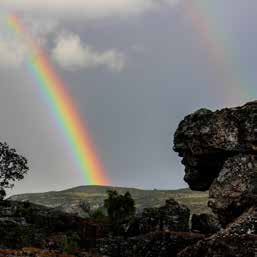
{"points": [[156, 232], [155, 244], [172, 217], [235, 189], [205, 223], [206, 139], [219, 151], [239, 239], [24, 224]]}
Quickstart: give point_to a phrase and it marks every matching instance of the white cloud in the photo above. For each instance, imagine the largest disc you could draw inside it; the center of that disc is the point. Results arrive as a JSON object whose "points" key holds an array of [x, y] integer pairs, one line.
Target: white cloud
{"points": [[86, 8], [12, 53], [13, 49], [71, 54]]}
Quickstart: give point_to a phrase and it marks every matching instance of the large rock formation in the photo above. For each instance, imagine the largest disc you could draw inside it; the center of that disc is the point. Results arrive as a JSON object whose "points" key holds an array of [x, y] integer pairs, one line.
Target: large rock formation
{"points": [[219, 151]]}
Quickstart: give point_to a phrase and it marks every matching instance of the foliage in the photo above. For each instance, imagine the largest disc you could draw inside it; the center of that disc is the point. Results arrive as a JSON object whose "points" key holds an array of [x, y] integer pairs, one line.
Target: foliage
{"points": [[12, 167], [120, 208]]}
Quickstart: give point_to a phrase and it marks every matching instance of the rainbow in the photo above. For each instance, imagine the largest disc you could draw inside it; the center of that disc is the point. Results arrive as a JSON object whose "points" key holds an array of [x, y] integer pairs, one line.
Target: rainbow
{"points": [[62, 106], [222, 52]]}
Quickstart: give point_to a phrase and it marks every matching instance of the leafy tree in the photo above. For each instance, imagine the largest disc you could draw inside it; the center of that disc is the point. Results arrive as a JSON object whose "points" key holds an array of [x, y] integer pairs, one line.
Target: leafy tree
{"points": [[120, 208], [12, 167]]}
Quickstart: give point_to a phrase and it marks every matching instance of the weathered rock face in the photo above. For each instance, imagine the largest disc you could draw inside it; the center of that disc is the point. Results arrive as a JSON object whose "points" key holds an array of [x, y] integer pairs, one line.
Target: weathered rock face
{"points": [[235, 189], [206, 139], [205, 224], [172, 216], [219, 151], [239, 239]]}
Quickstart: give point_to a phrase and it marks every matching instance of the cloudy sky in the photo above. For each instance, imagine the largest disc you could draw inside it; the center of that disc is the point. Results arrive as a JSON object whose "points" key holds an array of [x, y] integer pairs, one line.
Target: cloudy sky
{"points": [[134, 68]]}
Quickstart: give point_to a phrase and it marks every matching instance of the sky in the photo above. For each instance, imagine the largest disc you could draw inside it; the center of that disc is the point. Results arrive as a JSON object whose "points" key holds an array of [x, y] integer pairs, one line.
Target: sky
{"points": [[134, 69]]}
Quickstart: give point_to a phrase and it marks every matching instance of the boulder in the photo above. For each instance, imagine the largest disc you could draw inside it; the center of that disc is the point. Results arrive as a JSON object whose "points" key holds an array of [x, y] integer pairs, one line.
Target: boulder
{"points": [[205, 223], [174, 217], [171, 217]]}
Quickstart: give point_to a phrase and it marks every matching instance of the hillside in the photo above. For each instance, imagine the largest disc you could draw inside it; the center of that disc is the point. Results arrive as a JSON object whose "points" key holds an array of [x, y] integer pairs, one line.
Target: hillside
{"points": [[68, 200]]}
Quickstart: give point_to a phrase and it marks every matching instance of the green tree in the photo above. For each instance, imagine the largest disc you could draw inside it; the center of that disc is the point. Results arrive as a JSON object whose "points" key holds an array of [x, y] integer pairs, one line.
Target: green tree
{"points": [[12, 167], [120, 209]]}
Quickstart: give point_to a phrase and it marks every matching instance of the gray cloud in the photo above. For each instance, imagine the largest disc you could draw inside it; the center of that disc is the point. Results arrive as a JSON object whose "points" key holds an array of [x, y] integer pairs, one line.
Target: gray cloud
{"points": [[71, 54], [12, 53], [87, 8]]}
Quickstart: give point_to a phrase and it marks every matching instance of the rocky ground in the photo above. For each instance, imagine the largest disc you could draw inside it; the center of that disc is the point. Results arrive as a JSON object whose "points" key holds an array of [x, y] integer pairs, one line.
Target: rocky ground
{"points": [[25, 225], [219, 151]]}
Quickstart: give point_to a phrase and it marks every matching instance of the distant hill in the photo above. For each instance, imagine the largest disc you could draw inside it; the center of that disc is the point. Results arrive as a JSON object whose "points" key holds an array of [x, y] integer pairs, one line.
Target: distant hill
{"points": [[68, 200]]}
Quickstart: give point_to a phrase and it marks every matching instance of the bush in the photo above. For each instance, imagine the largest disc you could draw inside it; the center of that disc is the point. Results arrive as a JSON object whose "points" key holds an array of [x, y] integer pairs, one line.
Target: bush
{"points": [[121, 209]]}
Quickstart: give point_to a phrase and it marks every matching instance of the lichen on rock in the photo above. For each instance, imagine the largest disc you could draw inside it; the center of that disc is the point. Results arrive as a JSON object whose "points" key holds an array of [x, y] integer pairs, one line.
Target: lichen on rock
{"points": [[219, 151]]}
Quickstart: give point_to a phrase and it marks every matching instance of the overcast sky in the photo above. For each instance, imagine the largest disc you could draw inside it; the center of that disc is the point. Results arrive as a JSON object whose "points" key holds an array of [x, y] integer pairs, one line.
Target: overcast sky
{"points": [[134, 68]]}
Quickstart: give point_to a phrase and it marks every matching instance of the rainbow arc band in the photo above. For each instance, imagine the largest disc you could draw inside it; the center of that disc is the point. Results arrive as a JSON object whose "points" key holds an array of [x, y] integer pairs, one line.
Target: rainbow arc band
{"points": [[62, 106], [221, 50]]}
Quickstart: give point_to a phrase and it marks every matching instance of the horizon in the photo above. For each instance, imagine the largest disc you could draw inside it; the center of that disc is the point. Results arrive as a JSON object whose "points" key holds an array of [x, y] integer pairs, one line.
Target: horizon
{"points": [[119, 187]]}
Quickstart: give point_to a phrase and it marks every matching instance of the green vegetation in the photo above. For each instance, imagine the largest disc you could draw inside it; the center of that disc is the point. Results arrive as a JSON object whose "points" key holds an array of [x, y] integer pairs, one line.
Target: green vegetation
{"points": [[120, 208], [12, 167]]}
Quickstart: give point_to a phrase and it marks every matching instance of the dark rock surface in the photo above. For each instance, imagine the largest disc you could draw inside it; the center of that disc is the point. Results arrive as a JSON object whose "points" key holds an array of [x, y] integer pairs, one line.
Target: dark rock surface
{"points": [[206, 139], [155, 244], [171, 216], [24, 224], [239, 239], [219, 151], [156, 232], [235, 189], [205, 223]]}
